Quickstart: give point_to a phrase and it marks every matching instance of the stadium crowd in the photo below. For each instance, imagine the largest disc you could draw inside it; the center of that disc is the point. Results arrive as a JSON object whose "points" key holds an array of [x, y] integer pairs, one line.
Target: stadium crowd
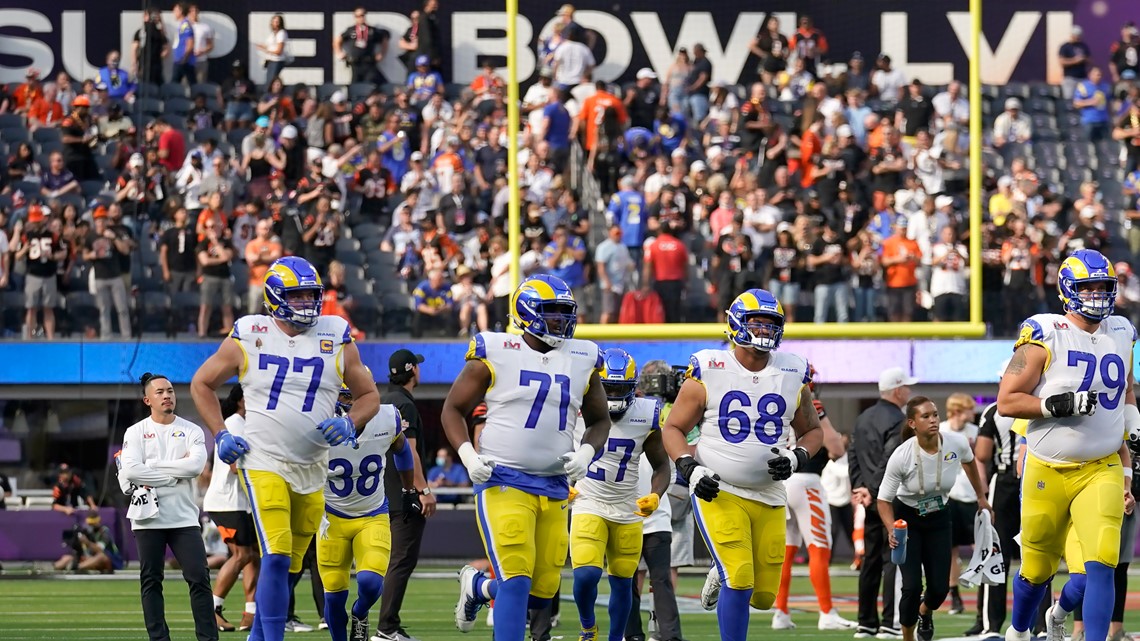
{"points": [[834, 180]]}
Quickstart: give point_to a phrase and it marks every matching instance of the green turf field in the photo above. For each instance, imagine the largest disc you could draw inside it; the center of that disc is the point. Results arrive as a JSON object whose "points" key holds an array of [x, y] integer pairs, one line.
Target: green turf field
{"points": [[90, 608]]}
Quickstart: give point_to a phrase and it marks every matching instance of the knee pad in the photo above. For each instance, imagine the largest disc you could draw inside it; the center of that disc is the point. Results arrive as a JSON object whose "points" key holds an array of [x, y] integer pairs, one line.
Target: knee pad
{"points": [[627, 552], [762, 600]]}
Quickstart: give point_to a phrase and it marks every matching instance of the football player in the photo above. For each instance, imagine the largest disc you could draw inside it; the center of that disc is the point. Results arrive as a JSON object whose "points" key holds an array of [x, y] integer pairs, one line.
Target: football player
{"points": [[606, 523], [355, 526], [291, 363], [1071, 377], [534, 386], [745, 399]]}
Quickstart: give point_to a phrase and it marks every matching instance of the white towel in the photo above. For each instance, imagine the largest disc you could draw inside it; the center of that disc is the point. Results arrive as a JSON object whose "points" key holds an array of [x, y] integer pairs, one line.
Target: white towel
{"points": [[144, 504], [985, 567]]}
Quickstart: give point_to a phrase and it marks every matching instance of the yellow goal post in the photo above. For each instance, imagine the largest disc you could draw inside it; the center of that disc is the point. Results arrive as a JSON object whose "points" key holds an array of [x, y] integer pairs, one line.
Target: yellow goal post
{"points": [[698, 331]]}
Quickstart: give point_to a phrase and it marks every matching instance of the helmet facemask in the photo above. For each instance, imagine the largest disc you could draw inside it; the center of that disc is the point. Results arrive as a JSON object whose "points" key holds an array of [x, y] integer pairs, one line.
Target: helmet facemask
{"points": [[619, 395], [1093, 304], [760, 331]]}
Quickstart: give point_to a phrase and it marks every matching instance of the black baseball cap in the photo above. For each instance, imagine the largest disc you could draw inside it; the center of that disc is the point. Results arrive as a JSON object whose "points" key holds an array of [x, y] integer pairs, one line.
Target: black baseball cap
{"points": [[403, 360]]}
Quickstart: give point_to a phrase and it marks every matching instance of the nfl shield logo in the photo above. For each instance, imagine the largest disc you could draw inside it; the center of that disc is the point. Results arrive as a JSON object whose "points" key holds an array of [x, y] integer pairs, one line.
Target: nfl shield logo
{"points": [[1040, 485]]}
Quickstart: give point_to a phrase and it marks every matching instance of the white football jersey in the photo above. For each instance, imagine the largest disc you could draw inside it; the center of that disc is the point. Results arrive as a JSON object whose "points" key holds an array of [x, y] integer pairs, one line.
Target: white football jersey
{"points": [[224, 493], [356, 476], [1079, 361], [609, 488], [533, 400], [291, 384], [747, 414]]}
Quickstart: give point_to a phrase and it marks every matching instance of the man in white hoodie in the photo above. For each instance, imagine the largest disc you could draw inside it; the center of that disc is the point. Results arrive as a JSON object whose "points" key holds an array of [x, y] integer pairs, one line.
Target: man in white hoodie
{"points": [[161, 456]]}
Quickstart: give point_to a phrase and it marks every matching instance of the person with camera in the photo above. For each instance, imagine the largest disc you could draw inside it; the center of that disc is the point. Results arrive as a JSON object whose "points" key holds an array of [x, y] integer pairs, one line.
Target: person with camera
{"points": [[102, 249], [361, 47], [162, 455], [92, 548]]}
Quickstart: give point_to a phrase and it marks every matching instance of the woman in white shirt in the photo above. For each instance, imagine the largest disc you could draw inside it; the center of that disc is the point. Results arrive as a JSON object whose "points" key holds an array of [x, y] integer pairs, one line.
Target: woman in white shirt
{"points": [[916, 488], [162, 456], [229, 510], [275, 48]]}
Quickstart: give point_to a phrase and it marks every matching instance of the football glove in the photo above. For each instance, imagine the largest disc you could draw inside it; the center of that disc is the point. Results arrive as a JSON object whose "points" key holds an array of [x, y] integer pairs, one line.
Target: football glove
{"points": [[411, 502], [230, 447], [338, 429], [703, 482], [786, 462], [479, 468], [1069, 404], [648, 504], [577, 463]]}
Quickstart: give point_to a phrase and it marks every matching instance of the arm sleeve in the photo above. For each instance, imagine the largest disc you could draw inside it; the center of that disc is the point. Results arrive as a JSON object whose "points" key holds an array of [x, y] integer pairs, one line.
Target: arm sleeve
{"points": [[134, 470], [854, 471], [190, 466]]}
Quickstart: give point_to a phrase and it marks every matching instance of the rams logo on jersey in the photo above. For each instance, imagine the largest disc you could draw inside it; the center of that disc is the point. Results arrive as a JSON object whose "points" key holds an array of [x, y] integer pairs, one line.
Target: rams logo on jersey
{"points": [[326, 347], [952, 456]]}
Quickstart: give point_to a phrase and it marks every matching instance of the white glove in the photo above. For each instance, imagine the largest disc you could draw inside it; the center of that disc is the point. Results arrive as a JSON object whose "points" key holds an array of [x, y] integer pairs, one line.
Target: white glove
{"points": [[1132, 422], [578, 462], [479, 467]]}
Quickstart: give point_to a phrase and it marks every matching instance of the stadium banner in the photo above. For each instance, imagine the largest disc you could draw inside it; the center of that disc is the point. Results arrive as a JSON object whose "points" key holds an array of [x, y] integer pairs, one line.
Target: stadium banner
{"points": [[927, 40], [844, 362]]}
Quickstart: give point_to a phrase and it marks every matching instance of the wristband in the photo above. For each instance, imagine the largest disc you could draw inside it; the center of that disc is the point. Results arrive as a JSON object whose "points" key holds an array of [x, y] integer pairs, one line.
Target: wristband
{"points": [[1131, 420], [1045, 413], [1128, 475]]}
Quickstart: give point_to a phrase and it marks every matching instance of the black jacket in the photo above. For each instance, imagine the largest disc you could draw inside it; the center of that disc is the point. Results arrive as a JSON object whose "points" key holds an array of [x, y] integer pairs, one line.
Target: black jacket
{"points": [[869, 449], [412, 427]]}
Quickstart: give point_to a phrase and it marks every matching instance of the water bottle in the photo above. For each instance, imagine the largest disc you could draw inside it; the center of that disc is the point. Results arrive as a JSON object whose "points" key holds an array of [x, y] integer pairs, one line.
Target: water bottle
{"points": [[898, 555]]}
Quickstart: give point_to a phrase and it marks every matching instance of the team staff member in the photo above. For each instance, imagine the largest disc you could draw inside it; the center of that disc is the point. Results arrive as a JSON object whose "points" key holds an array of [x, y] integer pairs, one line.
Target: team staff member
{"points": [[963, 502], [868, 456], [997, 444], [916, 488], [229, 509], [162, 455], [407, 527]]}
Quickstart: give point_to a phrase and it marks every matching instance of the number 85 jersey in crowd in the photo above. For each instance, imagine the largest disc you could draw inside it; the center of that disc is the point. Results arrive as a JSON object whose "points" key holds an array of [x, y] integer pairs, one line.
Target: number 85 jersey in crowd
{"points": [[1078, 361], [609, 488], [533, 400], [747, 414], [356, 475], [291, 384]]}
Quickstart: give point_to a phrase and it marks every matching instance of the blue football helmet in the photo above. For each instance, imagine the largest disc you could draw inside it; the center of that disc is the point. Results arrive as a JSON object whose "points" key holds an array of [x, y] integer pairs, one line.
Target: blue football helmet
{"points": [[290, 275], [543, 306], [756, 320], [1085, 267], [619, 379]]}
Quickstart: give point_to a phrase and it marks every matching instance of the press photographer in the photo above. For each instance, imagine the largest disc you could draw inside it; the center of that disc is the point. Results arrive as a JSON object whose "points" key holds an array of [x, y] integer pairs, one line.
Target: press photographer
{"points": [[92, 548]]}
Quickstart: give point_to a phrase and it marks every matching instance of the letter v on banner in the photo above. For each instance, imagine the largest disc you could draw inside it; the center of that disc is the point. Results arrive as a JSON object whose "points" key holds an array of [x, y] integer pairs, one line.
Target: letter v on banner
{"points": [[698, 27], [998, 66]]}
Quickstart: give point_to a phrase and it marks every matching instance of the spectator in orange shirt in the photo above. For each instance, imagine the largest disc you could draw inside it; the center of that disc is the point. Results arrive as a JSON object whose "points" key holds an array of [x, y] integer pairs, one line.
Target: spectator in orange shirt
{"points": [[592, 110], [214, 211], [28, 93], [487, 84], [260, 252], [901, 256], [46, 110], [810, 145]]}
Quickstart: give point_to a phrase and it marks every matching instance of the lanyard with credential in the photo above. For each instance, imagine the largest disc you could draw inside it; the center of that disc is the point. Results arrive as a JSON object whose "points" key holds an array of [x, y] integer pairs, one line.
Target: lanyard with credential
{"points": [[921, 476]]}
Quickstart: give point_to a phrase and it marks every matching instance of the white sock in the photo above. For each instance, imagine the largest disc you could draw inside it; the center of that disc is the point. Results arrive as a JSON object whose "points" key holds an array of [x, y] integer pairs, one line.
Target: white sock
{"points": [[1059, 613], [485, 589], [251, 607], [219, 601]]}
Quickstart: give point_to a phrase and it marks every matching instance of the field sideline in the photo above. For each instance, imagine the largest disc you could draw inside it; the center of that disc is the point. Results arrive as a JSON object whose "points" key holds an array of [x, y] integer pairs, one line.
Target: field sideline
{"points": [[97, 609]]}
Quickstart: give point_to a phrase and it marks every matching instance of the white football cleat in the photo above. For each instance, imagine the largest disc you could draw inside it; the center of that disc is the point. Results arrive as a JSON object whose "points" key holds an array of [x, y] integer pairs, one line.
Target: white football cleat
{"points": [[782, 621], [467, 607], [1054, 627], [1013, 635], [710, 593], [832, 621]]}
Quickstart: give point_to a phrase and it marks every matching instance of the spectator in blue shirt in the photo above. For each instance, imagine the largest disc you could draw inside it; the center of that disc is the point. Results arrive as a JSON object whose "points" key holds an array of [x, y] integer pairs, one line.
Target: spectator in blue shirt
{"points": [[184, 59], [424, 82], [556, 123], [395, 150], [433, 307], [1091, 98], [670, 128], [445, 473], [565, 257], [118, 82], [627, 210]]}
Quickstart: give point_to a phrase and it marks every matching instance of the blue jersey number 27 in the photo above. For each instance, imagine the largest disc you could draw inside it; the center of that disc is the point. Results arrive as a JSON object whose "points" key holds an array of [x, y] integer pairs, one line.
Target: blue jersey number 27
{"points": [[1112, 372], [299, 366], [543, 380]]}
